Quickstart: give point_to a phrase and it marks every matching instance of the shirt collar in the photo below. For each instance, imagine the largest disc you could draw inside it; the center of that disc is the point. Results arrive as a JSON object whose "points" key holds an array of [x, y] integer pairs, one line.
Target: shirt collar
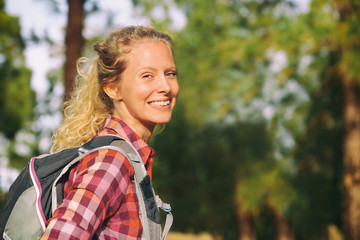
{"points": [[118, 126]]}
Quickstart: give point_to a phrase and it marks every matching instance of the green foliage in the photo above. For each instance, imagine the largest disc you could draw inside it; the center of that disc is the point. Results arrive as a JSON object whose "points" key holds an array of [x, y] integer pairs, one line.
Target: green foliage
{"points": [[222, 137], [228, 76], [16, 96], [319, 178], [331, 42], [200, 167], [17, 99], [2, 199], [221, 152]]}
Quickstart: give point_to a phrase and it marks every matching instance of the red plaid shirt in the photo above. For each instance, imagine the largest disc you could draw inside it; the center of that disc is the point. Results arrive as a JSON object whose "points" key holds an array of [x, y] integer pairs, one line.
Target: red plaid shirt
{"points": [[100, 201]]}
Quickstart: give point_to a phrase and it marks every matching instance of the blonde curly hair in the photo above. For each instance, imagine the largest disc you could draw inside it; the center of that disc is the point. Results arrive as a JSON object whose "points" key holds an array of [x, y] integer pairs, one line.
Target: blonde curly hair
{"points": [[89, 106]]}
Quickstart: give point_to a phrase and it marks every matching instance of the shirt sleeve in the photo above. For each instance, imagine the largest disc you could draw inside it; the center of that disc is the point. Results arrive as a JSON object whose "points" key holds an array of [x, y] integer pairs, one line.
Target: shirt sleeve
{"points": [[100, 184]]}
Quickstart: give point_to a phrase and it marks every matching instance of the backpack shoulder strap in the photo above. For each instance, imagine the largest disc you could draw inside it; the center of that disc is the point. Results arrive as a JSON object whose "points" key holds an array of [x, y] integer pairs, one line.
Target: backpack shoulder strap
{"points": [[149, 203], [57, 190]]}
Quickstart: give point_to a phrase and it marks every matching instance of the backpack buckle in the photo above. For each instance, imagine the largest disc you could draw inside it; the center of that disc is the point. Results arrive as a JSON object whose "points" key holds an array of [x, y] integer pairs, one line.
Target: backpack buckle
{"points": [[164, 206]]}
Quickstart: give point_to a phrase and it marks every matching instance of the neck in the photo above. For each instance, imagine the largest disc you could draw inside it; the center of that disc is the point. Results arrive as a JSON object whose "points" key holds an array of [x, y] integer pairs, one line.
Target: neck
{"points": [[141, 130]]}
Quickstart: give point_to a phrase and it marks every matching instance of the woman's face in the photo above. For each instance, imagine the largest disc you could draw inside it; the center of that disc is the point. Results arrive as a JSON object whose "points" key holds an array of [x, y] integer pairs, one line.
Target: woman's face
{"points": [[148, 87]]}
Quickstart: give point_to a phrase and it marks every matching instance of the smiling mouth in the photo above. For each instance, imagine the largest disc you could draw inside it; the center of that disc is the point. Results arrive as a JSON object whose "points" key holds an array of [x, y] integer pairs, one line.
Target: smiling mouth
{"points": [[160, 103]]}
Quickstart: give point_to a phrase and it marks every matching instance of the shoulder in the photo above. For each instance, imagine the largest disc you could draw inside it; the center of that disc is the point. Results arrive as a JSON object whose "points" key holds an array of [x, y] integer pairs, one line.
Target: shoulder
{"points": [[105, 173], [105, 166], [104, 159]]}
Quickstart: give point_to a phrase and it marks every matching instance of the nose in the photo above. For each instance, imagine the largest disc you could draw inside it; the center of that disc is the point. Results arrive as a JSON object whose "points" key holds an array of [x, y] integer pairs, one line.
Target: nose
{"points": [[164, 85]]}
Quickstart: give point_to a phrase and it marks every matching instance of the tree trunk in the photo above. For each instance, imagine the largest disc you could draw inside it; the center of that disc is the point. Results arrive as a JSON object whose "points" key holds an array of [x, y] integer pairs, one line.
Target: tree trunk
{"points": [[245, 226], [284, 229], [351, 214], [351, 115], [74, 42]]}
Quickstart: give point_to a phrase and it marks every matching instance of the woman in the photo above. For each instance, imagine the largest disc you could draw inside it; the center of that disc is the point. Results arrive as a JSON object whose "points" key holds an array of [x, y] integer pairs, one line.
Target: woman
{"points": [[128, 89]]}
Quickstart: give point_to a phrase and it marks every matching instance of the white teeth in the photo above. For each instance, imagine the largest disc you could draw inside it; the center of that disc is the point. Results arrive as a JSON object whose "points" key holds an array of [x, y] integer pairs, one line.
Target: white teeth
{"points": [[158, 103]]}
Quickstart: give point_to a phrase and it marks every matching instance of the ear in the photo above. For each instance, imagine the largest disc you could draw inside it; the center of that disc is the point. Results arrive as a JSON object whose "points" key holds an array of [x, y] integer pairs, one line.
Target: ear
{"points": [[113, 91]]}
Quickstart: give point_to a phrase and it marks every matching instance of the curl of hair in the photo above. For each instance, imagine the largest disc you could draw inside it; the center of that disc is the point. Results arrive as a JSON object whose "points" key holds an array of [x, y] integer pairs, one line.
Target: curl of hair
{"points": [[89, 106]]}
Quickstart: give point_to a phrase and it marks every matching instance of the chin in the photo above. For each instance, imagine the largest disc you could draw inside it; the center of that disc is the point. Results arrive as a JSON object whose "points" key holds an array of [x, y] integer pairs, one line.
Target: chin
{"points": [[162, 120]]}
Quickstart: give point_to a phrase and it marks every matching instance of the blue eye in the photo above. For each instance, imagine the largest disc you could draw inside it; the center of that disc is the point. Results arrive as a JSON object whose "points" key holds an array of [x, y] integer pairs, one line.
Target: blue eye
{"points": [[171, 74], [147, 76]]}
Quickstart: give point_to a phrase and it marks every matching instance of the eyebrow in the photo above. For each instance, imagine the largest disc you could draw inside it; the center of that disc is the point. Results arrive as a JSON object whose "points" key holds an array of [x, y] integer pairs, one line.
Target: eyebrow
{"points": [[154, 69]]}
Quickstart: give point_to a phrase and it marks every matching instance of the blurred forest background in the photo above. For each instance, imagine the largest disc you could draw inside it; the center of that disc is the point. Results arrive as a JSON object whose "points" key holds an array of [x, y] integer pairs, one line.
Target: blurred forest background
{"points": [[265, 139]]}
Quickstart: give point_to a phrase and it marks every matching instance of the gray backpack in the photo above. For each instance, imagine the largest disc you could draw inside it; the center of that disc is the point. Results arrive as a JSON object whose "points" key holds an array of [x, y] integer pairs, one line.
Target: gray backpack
{"points": [[39, 190]]}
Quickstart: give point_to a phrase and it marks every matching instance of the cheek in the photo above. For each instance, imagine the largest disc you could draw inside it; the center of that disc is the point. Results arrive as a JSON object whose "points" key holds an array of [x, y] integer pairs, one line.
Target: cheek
{"points": [[175, 88], [144, 90], [138, 91]]}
